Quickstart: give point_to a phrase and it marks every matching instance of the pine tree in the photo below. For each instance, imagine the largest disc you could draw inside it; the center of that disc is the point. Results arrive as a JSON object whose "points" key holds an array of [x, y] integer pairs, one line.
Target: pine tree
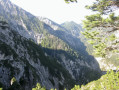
{"points": [[101, 31]]}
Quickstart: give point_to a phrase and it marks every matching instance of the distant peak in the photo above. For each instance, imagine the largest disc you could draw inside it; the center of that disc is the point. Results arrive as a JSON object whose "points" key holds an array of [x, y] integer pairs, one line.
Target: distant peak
{"points": [[72, 22], [69, 23]]}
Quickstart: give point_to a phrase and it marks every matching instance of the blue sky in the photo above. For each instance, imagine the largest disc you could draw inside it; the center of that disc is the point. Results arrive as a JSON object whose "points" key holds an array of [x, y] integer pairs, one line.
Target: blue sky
{"points": [[56, 10]]}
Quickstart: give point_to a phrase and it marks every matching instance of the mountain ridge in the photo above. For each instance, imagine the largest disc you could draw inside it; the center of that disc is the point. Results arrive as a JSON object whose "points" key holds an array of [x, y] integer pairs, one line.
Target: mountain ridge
{"points": [[56, 44]]}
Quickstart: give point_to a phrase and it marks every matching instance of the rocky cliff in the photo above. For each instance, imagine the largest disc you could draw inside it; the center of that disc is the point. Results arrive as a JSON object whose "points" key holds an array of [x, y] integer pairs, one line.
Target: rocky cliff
{"points": [[39, 50], [23, 59]]}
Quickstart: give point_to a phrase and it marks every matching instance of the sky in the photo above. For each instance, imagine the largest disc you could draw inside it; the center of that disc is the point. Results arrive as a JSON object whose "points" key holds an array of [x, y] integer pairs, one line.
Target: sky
{"points": [[56, 10]]}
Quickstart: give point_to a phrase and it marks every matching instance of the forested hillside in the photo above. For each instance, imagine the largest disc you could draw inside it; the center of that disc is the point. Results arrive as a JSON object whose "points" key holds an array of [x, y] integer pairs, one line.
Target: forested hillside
{"points": [[76, 30], [23, 59], [103, 33], [35, 50], [37, 53]]}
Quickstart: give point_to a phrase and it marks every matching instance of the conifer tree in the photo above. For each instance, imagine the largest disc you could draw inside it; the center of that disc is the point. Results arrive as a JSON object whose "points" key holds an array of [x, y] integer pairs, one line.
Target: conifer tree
{"points": [[101, 31]]}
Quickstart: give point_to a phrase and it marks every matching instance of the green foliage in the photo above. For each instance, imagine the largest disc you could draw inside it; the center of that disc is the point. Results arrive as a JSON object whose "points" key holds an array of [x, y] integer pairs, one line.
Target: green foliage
{"points": [[100, 31], [110, 81], [82, 47], [100, 49], [53, 89], [92, 21], [14, 85], [36, 52], [13, 80], [57, 45], [104, 6], [112, 37], [39, 87], [76, 87]]}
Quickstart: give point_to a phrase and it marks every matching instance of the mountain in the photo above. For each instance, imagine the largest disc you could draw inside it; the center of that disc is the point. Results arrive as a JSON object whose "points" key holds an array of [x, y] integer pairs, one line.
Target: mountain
{"points": [[66, 33], [35, 49], [76, 44], [105, 64], [23, 59], [76, 30], [73, 28]]}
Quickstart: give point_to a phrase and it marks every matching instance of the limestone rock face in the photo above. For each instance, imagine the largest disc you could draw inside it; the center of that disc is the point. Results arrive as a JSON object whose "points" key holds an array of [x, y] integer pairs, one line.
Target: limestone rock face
{"points": [[17, 61], [39, 50]]}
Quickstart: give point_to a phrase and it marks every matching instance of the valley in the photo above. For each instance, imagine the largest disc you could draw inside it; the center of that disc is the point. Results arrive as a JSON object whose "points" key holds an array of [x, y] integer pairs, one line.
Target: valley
{"points": [[36, 50]]}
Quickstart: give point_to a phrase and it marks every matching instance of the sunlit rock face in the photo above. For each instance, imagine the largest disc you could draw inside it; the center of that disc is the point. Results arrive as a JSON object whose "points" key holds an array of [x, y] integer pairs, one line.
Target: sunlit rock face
{"points": [[53, 25], [23, 56]]}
